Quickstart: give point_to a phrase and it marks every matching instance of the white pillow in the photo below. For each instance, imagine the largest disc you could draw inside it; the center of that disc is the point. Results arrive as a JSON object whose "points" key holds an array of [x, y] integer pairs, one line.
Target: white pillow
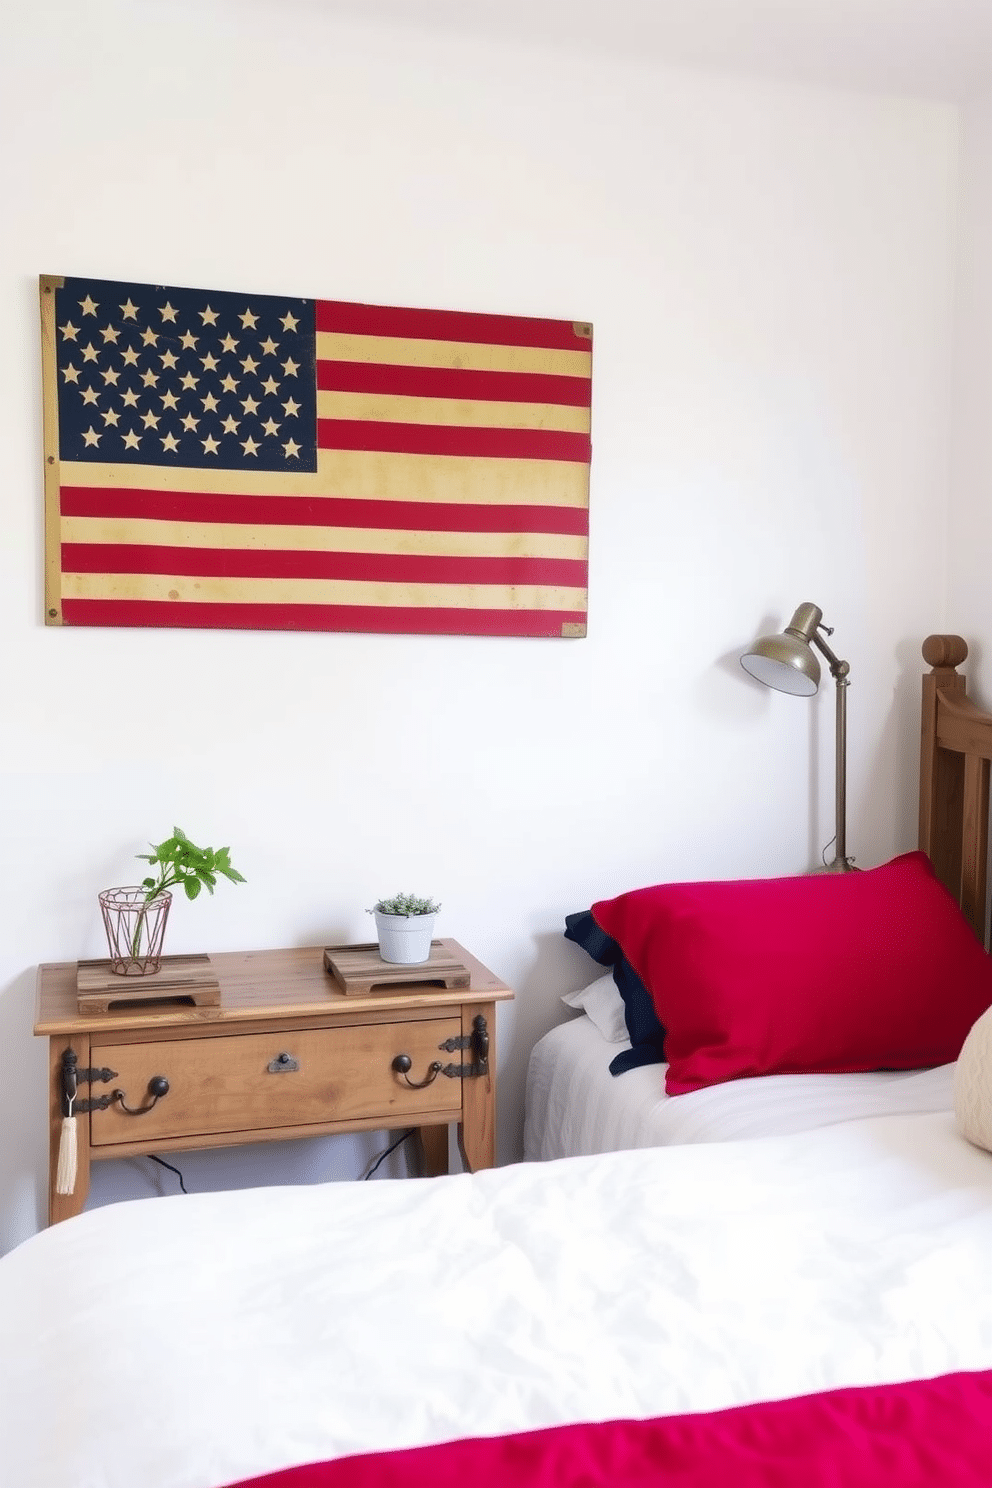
{"points": [[973, 1083], [602, 1002]]}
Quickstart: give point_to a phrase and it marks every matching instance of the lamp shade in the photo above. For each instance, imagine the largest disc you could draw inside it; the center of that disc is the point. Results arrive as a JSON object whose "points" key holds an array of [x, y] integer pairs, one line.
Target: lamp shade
{"points": [[784, 662]]}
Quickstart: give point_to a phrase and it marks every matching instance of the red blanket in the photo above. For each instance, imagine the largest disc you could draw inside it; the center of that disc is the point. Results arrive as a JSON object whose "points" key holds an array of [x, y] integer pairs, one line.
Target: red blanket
{"points": [[922, 1434]]}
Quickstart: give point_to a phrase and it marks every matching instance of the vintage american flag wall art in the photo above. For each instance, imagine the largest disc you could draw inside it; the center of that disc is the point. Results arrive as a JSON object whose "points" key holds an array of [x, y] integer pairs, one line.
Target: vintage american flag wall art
{"points": [[265, 462]]}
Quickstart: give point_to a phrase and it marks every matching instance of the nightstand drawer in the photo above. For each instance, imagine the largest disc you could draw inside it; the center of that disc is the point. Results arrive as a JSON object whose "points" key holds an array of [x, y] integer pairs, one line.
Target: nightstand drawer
{"points": [[239, 1083]]}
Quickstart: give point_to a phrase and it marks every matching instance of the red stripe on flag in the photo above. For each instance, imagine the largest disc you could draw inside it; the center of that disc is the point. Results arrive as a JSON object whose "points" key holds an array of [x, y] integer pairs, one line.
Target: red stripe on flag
{"points": [[392, 620], [449, 325], [454, 382], [269, 563], [319, 511], [441, 439]]}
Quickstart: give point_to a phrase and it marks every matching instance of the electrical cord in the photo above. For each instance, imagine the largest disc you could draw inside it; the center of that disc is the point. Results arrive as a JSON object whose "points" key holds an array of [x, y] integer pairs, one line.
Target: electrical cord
{"points": [[376, 1162], [829, 845], [163, 1164]]}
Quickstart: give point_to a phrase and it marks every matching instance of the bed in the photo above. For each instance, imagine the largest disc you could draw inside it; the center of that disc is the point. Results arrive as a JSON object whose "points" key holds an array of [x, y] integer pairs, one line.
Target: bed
{"points": [[786, 1312], [795, 1310], [575, 1107], [597, 1082]]}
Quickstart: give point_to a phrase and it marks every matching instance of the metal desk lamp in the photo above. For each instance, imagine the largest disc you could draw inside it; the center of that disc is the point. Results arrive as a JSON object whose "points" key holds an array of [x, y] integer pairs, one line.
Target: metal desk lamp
{"points": [[786, 662]]}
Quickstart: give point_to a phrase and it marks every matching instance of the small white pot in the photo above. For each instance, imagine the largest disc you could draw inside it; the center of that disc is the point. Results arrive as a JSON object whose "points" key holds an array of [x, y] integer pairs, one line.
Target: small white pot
{"points": [[405, 940]]}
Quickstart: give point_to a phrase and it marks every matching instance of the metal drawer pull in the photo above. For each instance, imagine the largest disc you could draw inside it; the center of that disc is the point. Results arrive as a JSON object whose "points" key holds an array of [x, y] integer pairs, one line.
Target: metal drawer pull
{"points": [[402, 1064], [158, 1086], [477, 1041], [283, 1064]]}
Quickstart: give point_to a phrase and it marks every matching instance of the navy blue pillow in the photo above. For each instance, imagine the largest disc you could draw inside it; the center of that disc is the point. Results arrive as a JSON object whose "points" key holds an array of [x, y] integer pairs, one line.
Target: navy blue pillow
{"points": [[647, 1037]]}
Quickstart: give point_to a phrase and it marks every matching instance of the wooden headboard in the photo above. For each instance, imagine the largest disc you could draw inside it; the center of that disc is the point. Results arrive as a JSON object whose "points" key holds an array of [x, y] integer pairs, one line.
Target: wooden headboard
{"points": [[955, 750]]}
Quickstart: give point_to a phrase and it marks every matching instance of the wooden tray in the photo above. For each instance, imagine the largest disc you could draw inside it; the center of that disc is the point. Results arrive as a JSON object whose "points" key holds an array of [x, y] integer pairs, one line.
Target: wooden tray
{"points": [[190, 980], [359, 968]]}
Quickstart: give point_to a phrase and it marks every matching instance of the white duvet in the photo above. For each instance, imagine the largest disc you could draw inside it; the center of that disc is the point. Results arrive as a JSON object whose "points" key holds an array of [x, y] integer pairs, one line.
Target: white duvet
{"points": [[191, 1341], [575, 1107]]}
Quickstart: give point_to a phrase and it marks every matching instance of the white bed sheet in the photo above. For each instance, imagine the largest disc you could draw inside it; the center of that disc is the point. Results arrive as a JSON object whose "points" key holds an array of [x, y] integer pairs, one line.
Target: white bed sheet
{"points": [[190, 1342], [575, 1107]]}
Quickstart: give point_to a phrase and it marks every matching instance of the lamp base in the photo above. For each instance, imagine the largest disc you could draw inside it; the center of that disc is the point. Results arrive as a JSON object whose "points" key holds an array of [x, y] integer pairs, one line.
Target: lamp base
{"points": [[839, 865]]}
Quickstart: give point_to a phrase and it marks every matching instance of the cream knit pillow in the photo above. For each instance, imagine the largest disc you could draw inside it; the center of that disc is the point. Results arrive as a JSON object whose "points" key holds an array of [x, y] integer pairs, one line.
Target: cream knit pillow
{"points": [[973, 1084]]}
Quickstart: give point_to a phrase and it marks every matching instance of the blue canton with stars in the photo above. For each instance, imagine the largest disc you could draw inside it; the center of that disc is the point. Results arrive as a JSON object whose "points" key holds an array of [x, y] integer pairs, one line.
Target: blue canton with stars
{"points": [[152, 375]]}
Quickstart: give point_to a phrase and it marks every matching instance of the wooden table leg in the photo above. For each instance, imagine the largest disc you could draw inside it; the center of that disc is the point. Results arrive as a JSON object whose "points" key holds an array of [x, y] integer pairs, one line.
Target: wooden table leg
{"points": [[64, 1206], [477, 1128], [433, 1143]]}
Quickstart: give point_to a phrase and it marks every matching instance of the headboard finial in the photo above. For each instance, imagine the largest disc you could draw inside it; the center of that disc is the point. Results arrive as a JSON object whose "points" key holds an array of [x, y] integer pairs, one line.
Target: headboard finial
{"points": [[945, 650]]}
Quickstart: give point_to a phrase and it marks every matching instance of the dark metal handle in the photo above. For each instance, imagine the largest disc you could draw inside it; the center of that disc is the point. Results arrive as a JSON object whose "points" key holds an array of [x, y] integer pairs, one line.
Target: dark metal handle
{"points": [[71, 1077], [402, 1064], [158, 1086], [480, 1043], [283, 1064]]}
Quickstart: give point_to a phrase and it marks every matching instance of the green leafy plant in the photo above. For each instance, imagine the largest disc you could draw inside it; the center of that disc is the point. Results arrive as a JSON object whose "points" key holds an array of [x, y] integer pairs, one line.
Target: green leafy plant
{"points": [[177, 861], [406, 904]]}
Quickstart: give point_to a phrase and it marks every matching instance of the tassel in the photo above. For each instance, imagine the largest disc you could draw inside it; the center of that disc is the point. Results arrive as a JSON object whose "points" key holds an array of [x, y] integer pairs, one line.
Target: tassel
{"points": [[65, 1176]]}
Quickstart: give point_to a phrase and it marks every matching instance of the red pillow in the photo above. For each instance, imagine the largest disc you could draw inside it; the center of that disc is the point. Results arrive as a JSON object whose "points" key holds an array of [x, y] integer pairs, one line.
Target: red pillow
{"points": [[825, 973]]}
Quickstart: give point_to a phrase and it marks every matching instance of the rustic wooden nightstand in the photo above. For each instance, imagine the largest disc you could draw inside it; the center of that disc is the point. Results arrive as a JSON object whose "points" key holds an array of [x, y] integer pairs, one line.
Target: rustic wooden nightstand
{"points": [[286, 1054]]}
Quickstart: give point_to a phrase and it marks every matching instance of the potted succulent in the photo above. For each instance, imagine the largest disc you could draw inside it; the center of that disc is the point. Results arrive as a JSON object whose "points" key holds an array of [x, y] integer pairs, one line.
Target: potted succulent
{"points": [[405, 924], [134, 917]]}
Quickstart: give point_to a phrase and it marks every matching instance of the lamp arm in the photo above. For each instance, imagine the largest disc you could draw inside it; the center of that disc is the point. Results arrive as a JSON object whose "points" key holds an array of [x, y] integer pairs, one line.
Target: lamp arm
{"points": [[838, 668], [840, 671]]}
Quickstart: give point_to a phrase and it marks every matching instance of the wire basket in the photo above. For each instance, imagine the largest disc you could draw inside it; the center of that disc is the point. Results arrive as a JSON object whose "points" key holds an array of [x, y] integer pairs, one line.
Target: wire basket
{"points": [[135, 929]]}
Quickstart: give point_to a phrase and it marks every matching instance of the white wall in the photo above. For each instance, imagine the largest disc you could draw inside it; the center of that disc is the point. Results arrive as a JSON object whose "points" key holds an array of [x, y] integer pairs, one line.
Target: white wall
{"points": [[970, 527], [769, 275]]}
